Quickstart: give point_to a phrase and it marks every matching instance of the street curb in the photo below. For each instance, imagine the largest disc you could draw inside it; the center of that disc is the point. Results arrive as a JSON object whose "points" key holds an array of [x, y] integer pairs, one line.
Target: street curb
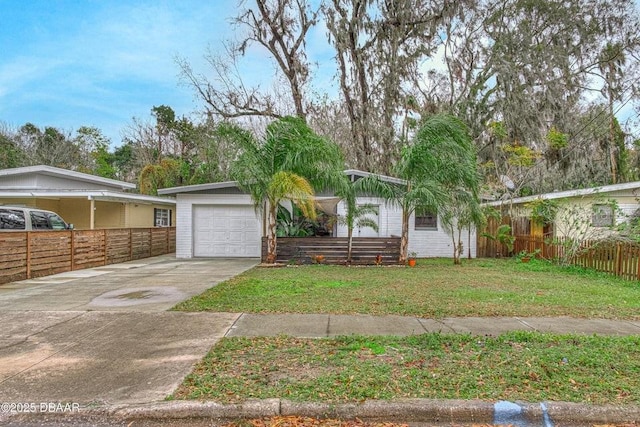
{"points": [[431, 411], [401, 410]]}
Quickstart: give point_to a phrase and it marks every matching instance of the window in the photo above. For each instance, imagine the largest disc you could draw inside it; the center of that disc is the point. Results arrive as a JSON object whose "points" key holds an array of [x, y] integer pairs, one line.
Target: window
{"points": [[426, 220], [55, 222], [39, 221], [602, 216], [162, 217], [11, 219]]}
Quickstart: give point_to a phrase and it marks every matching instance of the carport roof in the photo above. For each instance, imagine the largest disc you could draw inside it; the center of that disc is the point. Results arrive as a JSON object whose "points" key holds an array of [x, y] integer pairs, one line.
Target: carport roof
{"points": [[111, 196], [65, 173]]}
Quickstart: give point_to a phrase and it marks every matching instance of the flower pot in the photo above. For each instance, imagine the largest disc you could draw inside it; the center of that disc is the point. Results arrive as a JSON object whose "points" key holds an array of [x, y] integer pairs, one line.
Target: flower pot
{"points": [[525, 259], [411, 262]]}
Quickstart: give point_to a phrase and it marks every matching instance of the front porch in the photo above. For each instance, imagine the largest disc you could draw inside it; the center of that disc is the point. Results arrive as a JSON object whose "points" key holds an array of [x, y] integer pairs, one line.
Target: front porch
{"points": [[333, 250]]}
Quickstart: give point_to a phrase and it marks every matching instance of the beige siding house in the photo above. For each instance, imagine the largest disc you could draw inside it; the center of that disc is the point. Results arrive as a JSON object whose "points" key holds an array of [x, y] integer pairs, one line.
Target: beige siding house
{"points": [[589, 212], [86, 201]]}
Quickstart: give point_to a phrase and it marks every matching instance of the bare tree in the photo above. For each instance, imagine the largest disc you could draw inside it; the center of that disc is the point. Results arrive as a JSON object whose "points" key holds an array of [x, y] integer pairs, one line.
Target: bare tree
{"points": [[278, 26]]}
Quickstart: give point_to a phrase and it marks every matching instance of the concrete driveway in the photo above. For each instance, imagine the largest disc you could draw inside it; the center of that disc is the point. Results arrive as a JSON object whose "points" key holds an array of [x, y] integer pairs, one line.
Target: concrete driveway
{"points": [[103, 335], [151, 284]]}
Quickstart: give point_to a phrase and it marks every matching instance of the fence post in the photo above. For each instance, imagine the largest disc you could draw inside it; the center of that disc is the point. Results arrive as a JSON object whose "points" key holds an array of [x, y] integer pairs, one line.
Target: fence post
{"points": [[104, 244], [73, 249], [28, 255]]}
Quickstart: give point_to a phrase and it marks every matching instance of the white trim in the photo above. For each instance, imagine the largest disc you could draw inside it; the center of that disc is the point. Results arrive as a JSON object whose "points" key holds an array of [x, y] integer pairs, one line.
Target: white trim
{"points": [[365, 174], [97, 195], [198, 187], [231, 184], [568, 193], [65, 173]]}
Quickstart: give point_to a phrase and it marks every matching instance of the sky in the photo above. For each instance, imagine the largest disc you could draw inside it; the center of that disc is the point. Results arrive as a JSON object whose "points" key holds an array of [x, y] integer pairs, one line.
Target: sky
{"points": [[72, 63]]}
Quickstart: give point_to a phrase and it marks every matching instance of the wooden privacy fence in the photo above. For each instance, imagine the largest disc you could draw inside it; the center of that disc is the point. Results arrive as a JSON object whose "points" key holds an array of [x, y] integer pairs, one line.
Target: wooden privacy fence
{"points": [[618, 258], [333, 250], [25, 255]]}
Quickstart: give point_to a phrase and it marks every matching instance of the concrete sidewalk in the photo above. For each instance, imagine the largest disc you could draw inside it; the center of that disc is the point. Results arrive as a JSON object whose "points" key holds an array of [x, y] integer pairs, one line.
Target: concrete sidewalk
{"points": [[331, 325]]}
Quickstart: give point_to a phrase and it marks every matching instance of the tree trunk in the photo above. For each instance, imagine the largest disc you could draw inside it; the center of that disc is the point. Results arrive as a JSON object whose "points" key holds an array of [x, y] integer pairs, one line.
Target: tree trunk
{"points": [[349, 243], [455, 247], [271, 234], [404, 239]]}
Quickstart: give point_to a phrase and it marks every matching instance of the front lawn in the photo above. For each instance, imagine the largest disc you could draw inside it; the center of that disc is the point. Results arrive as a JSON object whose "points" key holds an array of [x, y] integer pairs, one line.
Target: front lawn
{"points": [[433, 289], [525, 366]]}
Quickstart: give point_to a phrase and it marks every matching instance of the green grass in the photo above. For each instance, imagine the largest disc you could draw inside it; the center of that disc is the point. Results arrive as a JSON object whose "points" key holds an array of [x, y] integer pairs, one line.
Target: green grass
{"points": [[515, 366], [435, 289]]}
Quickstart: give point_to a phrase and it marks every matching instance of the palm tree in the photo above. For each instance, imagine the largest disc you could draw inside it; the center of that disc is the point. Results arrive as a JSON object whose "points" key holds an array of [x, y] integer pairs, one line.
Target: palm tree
{"points": [[356, 215], [289, 163], [440, 159]]}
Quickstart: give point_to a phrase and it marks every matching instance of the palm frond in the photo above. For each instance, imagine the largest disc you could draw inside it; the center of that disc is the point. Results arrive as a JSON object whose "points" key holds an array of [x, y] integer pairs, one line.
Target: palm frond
{"points": [[287, 185]]}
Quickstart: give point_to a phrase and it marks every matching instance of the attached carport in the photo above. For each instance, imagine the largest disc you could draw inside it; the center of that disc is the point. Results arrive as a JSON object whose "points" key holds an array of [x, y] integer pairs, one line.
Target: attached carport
{"points": [[215, 220]]}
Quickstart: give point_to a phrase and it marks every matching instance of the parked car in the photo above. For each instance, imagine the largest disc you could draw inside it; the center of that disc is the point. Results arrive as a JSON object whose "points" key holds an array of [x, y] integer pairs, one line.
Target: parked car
{"points": [[15, 218]]}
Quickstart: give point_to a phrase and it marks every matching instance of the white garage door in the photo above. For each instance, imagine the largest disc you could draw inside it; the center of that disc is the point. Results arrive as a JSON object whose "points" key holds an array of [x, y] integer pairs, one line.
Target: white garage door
{"points": [[225, 231]]}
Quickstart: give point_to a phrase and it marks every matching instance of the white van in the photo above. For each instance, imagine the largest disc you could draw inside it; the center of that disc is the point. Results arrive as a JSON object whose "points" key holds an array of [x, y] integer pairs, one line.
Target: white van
{"points": [[15, 218]]}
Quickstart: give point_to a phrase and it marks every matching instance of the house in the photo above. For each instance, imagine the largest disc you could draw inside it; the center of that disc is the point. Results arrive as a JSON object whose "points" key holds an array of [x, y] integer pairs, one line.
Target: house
{"points": [[219, 220], [84, 200], [583, 213]]}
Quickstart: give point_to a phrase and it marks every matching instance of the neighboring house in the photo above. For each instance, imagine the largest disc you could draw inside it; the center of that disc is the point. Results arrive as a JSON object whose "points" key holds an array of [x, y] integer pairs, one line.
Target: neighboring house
{"points": [[86, 201], [588, 212], [219, 220]]}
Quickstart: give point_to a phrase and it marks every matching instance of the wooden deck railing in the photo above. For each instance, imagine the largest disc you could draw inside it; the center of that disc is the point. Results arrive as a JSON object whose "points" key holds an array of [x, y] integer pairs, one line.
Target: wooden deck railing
{"points": [[25, 255], [333, 250]]}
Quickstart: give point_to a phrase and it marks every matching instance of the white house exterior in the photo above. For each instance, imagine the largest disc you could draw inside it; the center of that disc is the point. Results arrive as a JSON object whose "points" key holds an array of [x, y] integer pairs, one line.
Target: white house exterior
{"points": [[219, 220], [216, 221], [423, 240]]}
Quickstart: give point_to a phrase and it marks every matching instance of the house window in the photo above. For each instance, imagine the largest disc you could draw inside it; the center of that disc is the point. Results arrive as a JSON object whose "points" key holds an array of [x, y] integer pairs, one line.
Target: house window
{"points": [[162, 217], [602, 216], [426, 220]]}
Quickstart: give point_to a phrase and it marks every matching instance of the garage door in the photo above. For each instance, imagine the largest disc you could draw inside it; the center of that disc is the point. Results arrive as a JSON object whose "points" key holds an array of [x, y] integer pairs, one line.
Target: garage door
{"points": [[225, 231]]}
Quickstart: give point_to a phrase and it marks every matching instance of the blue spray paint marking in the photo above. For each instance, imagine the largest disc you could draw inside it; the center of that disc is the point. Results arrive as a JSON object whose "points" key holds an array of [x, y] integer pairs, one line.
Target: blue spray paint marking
{"points": [[508, 413], [545, 416]]}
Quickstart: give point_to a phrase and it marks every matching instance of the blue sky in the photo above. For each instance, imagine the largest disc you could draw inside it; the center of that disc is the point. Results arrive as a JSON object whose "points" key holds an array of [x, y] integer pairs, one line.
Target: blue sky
{"points": [[71, 63]]}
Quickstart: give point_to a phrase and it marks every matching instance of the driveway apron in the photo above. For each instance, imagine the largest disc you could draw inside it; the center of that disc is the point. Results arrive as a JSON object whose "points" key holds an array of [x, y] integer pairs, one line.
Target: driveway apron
{"points": [[104, 335]]}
